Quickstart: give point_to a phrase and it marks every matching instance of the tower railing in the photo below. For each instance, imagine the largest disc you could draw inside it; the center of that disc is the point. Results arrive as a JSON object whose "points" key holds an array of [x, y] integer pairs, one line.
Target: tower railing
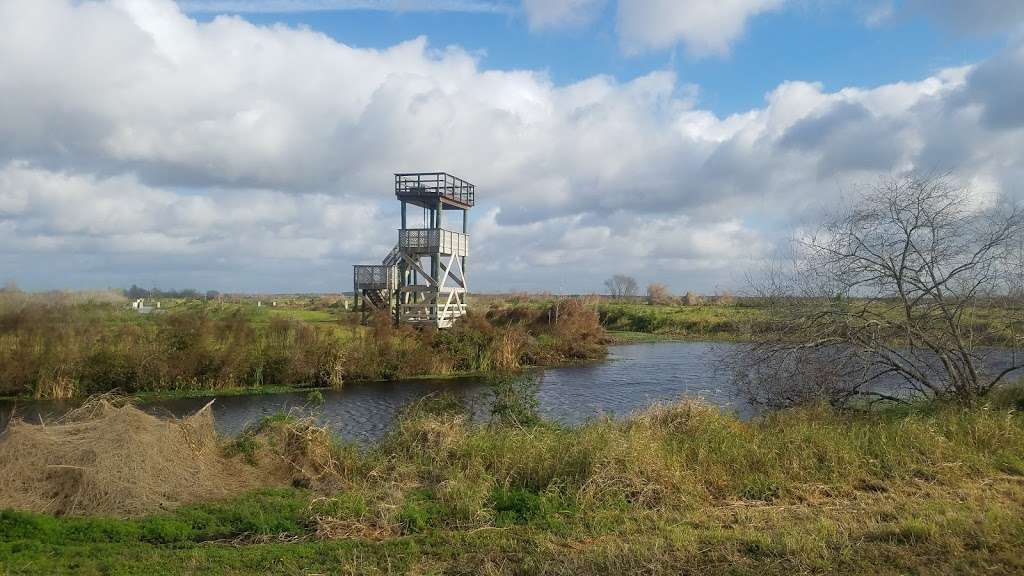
{"points": [[394, 256], [375, 277], [434, 184], [433, 240]]}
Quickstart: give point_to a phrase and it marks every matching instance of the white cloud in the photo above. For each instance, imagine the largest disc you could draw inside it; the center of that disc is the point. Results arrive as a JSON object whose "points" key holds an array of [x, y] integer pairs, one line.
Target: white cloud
{"points": [[72, 212], [705, 27], [541, 14], [293, 6], [228, 155]]}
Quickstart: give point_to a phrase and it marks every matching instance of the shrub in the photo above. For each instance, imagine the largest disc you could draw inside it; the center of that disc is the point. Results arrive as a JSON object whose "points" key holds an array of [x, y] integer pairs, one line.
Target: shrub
{"points": [[658, 294]]}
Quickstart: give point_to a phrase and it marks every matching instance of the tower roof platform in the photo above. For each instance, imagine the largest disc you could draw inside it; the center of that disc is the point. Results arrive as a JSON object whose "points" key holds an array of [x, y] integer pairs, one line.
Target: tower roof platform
{"points": [[427, 189]]}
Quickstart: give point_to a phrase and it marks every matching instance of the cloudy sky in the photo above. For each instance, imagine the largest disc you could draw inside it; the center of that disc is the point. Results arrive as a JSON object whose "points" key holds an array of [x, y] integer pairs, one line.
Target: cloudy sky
{"points": [[246, 145]]}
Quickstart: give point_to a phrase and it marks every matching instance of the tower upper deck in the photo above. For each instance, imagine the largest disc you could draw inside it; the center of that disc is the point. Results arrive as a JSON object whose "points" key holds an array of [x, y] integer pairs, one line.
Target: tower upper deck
{"points": [[426, 189]]}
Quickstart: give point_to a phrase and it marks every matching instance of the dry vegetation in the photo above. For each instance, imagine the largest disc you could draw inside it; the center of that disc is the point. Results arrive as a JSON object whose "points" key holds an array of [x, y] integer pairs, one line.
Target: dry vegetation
{"points": [[502, 339], [74, 346], [60, 351], [83, 464], [659, 315], [676, 489]]}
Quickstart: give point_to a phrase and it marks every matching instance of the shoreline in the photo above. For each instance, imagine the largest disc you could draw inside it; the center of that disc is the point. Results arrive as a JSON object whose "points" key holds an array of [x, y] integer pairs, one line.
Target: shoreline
{"points": [[625, 337], [160, 395]]}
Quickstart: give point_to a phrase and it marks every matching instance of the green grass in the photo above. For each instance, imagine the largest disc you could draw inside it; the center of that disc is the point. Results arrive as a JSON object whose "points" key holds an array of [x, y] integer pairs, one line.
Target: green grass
{"points": [[627, 337], [259, 314], [629, 321], [745, 320], [151, 395], [677, 490]]}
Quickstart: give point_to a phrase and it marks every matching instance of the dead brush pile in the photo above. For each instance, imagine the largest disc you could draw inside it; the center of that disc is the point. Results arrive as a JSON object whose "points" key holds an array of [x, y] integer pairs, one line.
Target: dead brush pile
{"points": [[295, 451], [116, 460], [109, 458]]}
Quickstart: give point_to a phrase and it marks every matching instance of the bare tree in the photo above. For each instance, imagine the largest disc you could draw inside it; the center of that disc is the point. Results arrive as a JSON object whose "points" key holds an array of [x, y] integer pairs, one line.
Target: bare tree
{"points": [[892, 290], [621, 286]]}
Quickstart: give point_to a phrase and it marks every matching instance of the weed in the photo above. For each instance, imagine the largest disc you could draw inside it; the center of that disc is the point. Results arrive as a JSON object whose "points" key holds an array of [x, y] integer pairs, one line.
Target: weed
{"points": [[419, 512], [515, 505], [315, 397], [514, 399]]}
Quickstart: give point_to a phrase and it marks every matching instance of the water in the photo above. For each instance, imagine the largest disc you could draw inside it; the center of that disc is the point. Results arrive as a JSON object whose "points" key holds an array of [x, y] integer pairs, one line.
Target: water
{"points": [[634, 377]]}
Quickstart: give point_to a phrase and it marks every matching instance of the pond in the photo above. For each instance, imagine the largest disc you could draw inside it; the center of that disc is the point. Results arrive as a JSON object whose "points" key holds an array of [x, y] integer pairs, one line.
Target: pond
{"points": [[634, 377]]}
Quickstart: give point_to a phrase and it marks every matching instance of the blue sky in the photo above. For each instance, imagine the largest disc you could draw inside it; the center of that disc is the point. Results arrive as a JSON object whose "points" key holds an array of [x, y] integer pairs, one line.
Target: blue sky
{"points": [[831, 43], [247, 145]]}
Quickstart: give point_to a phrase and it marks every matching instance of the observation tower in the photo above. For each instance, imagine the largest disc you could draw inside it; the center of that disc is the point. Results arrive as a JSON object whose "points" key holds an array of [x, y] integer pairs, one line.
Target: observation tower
{"points": [[422, 281]]}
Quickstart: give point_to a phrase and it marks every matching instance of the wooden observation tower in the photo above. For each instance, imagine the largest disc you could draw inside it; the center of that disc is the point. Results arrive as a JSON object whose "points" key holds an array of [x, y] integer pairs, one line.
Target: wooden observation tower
{"points": [[423, 279]]}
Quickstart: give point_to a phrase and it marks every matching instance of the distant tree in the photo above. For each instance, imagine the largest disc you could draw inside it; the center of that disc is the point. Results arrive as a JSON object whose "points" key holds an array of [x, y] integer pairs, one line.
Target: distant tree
{"points": [[622, 286], [658, 294], [136, 292], [212, 294]]}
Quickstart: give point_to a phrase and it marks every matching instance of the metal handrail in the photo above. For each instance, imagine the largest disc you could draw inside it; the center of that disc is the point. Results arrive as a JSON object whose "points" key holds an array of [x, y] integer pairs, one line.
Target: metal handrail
{"points": [[434, 184], [392, 258]]}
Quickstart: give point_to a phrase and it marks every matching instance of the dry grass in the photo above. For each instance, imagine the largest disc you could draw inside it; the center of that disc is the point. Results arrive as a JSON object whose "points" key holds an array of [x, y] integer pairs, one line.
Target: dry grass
{"points": [[112, 459]]}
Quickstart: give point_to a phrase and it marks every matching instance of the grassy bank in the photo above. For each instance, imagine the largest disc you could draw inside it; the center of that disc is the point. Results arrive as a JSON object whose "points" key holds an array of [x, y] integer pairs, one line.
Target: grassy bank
{"points": [[677, 489], [995, 323], [634, 320], [721, 322], [64, 349]]}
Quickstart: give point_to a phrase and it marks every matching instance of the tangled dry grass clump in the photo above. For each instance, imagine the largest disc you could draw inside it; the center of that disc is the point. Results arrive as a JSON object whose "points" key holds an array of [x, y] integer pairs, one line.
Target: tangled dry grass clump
{"points": [[293, 450], [110, 458]]}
